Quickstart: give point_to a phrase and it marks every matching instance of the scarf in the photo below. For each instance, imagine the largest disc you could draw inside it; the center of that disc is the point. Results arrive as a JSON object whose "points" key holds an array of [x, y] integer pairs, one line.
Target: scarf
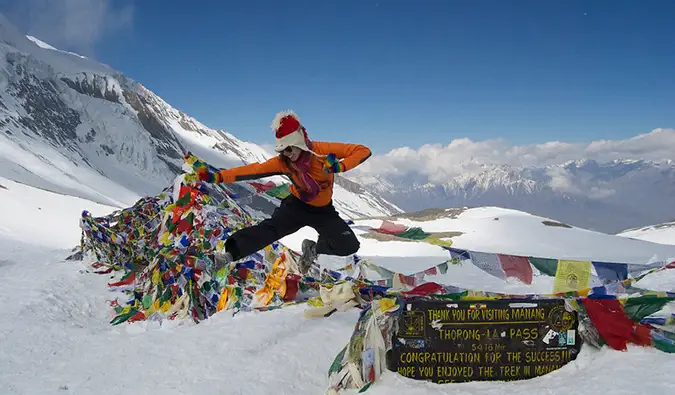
{"points": [[308, 187]]}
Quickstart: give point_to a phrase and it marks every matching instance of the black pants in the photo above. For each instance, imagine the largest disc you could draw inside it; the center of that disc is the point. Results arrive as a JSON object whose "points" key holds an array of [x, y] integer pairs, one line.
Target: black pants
{"points": [[335, 236]]}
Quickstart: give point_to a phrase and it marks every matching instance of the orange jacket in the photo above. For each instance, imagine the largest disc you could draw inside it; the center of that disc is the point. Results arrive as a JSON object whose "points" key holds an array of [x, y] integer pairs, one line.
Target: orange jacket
{"points": [[352, 155]]}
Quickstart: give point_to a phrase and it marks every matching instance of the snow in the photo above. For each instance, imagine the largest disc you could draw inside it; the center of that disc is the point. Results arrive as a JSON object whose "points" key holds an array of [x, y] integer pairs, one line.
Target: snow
{"points": [[114, 160], [57, 338], [40, 43], [61, 61], [637, 371], [44, 45], [514, 233], [589, 193], [663, 233], [39, 164], [42, 218], [55, 332], [518, 233]]}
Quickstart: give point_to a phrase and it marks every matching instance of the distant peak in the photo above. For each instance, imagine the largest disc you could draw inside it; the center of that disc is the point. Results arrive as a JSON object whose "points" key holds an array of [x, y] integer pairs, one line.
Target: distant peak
{"points": [[40, 43], [44, 45]]}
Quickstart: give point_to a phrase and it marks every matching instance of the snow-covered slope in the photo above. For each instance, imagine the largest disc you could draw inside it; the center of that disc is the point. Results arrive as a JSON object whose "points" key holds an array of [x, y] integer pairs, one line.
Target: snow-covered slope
{"points": [[44, 45], [38, 217], [56, 337], [499, 230], [607, 197], [74, 126], [661, 233]]}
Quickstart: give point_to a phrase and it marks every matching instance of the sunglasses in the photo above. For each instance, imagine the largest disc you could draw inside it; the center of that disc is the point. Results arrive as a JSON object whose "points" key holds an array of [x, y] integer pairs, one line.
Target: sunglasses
{"points": [[288, 150]]}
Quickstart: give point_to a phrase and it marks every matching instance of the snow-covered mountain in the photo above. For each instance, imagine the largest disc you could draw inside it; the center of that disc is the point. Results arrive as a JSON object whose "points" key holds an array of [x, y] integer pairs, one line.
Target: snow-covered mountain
{"points": [[57, 336], [75, 126], [608, 197], [661, 233]]}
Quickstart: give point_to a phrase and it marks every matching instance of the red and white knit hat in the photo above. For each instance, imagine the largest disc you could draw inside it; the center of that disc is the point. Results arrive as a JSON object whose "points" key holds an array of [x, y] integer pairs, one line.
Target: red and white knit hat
{"points": [[289, 131]]}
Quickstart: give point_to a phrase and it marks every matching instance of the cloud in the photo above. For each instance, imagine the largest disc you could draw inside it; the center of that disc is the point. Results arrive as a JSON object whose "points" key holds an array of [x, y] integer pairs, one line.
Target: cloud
{"points": [[563, 181], [441, 163], [74, 25]]}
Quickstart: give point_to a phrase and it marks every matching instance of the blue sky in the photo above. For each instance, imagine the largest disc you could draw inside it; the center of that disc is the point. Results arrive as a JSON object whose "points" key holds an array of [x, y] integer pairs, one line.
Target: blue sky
{"points": [[390, 73]]}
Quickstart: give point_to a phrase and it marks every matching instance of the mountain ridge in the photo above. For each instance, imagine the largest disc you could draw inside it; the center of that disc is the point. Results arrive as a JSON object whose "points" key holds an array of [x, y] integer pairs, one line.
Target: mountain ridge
{"points": [[74, 126], [108, 138], [607, 196]]}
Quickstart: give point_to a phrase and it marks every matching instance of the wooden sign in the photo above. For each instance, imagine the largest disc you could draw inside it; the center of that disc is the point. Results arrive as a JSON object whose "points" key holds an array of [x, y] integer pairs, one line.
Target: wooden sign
{"points": [[447, 341]]}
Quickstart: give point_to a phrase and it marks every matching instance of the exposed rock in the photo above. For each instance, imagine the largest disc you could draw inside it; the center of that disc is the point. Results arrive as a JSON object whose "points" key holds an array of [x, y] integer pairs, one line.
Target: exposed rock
{"points": [[97, 88], [166, 141], [555, 223]]}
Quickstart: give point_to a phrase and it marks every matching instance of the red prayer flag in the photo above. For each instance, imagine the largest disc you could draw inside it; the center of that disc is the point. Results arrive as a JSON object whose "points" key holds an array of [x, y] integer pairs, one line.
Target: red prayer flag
{"points": [[391, 228], [516, 266], [614, 325], [431, 271], [291, 287], [183, 226], [425, 289], [139, 316], [126, 281], [407, 280]]}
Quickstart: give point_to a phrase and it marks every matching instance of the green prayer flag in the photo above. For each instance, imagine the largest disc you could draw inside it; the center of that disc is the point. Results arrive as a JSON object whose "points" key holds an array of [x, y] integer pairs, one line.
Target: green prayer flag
{"points": [[664, 346], [123, 317], [414, 234], [147, 301], [183, 200], [545, 265], [166, 295], [643, 306]]}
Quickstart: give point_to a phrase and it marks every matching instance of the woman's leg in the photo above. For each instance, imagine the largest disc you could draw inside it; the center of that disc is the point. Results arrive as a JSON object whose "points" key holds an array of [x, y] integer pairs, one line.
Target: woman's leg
{"points": [[335, 236], [288, 218]]}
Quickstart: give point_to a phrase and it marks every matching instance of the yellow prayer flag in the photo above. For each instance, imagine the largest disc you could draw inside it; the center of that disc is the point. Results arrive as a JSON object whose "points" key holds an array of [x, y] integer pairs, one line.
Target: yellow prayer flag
{"points": [[572, 276], [166, 306], [386, 304], [165, 238], [438, 242], [222, 302]]}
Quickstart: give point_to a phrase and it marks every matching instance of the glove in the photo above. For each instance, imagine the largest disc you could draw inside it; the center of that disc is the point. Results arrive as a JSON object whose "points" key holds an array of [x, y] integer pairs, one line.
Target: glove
{"points": [[332, 165], [209, 176]]}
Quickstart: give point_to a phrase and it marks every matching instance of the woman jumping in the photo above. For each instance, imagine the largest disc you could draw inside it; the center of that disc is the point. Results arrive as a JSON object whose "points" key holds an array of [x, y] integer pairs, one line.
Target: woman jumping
{"points": [[311, 166]]}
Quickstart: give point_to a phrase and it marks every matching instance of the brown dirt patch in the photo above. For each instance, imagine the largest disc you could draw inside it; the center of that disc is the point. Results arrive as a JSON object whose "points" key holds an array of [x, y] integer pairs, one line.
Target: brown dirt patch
{"points": [[387, 237], [429, 214], [555, 223]]}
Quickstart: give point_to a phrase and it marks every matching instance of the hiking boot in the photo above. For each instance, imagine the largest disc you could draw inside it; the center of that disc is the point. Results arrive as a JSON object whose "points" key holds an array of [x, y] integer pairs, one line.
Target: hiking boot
{"points": [[308, 256]]}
